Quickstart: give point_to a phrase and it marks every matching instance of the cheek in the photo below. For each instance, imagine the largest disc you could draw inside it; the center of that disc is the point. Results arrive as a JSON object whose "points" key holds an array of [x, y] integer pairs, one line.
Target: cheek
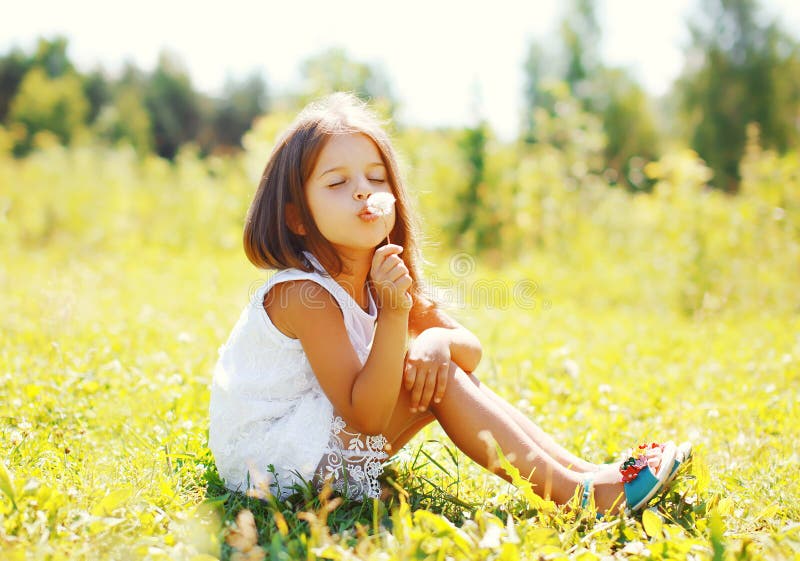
{"points": [[321, 206], [318, 202]]}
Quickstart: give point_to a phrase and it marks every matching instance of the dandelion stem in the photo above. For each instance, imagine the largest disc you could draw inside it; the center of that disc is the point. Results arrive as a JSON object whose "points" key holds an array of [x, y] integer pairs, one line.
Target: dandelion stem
{"points": [[388, 239]]}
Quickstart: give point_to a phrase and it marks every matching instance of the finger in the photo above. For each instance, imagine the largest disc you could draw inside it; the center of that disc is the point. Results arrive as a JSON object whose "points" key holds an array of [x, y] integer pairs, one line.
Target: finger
{"points": [[380, 256], [390, 248], [403, 282], [397, 271], [419, 386], [393, 262], [441, 383], [386, 251], [410, 376], [383, 270], [427, 393]]}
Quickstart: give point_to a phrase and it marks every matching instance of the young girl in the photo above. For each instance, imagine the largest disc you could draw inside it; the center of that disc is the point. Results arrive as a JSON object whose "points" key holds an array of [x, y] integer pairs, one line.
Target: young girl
{"points": [[340, 357]]}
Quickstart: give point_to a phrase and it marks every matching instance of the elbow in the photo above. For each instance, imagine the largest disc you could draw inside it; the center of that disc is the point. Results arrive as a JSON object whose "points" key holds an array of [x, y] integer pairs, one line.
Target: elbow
{"points": [[476, 355]]}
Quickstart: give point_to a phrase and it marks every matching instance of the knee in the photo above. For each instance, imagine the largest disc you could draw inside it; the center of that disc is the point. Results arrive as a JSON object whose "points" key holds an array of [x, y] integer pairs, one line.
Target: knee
{"points": [[458, 375], [458, 381]]}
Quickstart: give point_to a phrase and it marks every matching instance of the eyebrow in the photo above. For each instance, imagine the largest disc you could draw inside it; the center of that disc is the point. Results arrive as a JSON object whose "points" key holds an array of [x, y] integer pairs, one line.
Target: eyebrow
{"points": [[338, 168]]}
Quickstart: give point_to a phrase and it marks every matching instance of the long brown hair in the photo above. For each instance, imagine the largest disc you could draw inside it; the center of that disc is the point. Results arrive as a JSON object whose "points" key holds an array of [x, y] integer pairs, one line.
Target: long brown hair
{"points": [[269, 242]]}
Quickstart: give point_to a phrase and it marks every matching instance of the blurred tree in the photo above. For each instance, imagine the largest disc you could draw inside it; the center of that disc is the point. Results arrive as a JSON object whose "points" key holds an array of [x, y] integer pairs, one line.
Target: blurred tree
{"points": [[580, 34], [536, 95], [158, 111], [233, 114], [740, 69], [13, 68], [97, 90], [45, 103], [575, 133], [631, 135], [609, 93], [126, 120], [51, 54], [173, 105], [333, 70], [473, 148], [132, 76]]}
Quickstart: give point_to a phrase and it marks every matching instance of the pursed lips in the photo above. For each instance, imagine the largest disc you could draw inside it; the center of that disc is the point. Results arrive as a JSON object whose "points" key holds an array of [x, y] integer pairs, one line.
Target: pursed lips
{"points": [[368, 217]]}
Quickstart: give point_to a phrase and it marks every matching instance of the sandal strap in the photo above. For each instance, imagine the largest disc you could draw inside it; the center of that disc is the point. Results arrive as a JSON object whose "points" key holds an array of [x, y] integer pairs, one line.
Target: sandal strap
{"points": [[587, 491]]}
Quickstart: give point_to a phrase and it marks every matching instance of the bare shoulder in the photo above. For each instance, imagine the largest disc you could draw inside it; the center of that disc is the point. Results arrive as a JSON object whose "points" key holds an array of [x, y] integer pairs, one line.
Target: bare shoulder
{"points": [[305, 310], [292, 305]]}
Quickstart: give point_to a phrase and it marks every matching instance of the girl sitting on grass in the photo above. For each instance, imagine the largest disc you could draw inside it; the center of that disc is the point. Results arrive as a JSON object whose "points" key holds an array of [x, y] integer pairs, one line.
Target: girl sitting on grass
{"points": [[340, 358]]}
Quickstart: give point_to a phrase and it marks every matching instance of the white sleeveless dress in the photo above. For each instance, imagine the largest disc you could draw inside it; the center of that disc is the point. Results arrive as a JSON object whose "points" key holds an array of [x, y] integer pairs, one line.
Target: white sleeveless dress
{"points": [[268, 409]]}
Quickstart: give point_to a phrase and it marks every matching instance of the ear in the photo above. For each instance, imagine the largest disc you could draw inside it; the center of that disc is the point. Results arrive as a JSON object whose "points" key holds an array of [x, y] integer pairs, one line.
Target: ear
{"points": [[293, 220]]}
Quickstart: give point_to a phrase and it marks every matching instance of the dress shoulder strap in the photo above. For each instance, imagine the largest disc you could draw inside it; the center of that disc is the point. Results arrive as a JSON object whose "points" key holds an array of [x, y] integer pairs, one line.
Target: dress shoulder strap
{"points": [[319, 276]]}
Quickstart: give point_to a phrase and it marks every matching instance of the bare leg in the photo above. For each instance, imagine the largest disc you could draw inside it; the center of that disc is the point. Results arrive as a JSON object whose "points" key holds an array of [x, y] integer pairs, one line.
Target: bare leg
{"points": [[468, 409], [405, 425], [539, 436], [466, 413]]}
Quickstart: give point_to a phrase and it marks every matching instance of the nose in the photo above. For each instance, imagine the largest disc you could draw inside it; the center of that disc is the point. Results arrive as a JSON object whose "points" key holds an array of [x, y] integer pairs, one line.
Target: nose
{"points": [[362, 192]]}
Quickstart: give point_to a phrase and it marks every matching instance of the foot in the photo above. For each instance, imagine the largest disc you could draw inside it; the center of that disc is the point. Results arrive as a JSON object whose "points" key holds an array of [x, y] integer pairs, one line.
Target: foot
{"points": [[630, 486], [652, 452], [683, 455]]}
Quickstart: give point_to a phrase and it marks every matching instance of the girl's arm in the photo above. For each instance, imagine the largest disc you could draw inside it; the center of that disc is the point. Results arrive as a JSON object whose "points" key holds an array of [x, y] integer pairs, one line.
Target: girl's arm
{"points": [[465, 348], [438, 340], [364, 396]]}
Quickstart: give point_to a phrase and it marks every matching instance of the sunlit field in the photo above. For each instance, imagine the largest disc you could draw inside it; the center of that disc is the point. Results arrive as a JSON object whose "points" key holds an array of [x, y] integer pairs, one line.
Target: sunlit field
{"points": [[609, 318]]}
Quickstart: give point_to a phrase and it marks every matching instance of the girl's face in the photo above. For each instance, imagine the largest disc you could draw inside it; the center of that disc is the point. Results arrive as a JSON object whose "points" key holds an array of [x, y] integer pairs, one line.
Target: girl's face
{"points": [[349, 169]]}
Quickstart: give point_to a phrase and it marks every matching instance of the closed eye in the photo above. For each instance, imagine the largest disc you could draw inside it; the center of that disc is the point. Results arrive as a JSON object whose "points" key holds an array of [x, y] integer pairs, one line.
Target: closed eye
{"points": [[335, 184], [376, 180]]}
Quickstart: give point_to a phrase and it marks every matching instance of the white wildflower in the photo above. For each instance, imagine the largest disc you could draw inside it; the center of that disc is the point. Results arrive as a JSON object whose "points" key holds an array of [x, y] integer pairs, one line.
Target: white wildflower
{"points": [[380, 203], [572, 368], [636, 548], [491, 539]]}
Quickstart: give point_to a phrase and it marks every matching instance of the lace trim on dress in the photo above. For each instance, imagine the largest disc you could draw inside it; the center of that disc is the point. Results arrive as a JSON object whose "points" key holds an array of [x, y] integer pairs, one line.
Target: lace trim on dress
{"points": [[352, 468]]}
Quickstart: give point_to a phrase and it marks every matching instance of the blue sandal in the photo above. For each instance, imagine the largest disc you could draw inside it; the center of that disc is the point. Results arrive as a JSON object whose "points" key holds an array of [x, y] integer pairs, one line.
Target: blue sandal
{"points": [[641, 483], [683, 454]]}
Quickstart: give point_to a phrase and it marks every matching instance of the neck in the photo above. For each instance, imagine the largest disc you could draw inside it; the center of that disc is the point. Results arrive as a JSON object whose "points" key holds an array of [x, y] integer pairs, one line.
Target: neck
{"points": [[355, 272]]}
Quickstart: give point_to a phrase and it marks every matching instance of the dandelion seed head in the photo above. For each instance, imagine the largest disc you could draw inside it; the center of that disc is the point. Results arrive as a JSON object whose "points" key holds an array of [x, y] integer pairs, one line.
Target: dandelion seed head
{"points": [[380, 203]]}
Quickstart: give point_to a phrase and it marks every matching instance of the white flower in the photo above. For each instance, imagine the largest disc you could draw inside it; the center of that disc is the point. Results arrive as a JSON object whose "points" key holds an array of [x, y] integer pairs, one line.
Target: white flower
{"points": [[380, 203], [491, 539], [636, 548]]}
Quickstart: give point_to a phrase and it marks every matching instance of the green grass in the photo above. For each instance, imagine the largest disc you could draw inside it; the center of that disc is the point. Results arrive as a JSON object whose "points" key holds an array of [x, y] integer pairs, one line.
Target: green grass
{"points": [[105, 367], [666, 317]]}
